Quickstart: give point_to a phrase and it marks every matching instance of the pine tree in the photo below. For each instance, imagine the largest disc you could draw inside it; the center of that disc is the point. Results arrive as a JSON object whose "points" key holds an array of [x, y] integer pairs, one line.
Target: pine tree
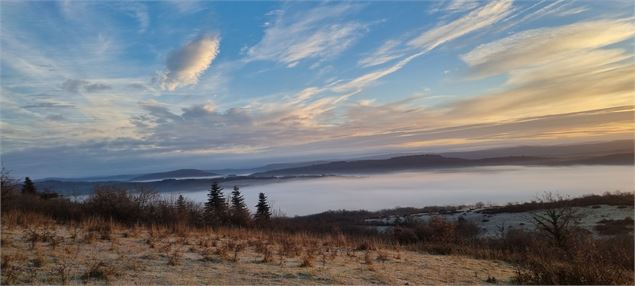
{"points": [[238, 210], [216, 207], [263, 214], [181, 207], [28, 188], [180, 203]]}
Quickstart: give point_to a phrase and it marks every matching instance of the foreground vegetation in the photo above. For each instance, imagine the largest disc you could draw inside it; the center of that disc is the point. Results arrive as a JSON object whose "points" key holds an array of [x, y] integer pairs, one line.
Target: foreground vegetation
{"points": [[39, 250], [119, 235]]}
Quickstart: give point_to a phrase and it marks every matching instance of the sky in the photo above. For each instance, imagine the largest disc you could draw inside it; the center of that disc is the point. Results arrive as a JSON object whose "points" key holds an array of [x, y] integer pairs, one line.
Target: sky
{"points": [[101, 88]]}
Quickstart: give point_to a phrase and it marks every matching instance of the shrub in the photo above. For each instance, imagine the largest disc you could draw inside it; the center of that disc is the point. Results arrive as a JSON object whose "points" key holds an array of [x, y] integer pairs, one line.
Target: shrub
{"points": [[307, 260], [100, 270]]}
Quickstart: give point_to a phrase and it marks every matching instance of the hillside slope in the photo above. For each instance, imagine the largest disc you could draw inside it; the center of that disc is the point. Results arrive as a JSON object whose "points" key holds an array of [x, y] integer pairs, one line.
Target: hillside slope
{"points": [[95, 254]]}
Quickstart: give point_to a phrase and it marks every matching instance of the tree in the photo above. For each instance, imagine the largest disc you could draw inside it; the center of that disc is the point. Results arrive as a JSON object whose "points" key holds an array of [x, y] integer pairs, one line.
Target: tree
{"points": [[180, 204], [239, 214], [28, 188], [558, 220], [9, 188], [215, 207], [263, 214], [181, 207]]}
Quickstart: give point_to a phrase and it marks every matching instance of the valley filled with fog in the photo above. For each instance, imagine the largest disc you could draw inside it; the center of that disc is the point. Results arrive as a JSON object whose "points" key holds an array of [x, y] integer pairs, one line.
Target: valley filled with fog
{"points": [[497, 185]]}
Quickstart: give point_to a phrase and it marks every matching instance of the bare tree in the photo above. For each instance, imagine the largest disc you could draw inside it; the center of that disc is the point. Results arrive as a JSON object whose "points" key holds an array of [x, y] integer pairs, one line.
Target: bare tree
{"points": [[558, 219], [8, 187]]}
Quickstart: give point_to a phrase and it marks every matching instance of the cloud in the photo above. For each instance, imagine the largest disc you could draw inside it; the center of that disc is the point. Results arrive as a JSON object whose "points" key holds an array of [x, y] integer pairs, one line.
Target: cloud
{"points": [[185, 65], [362, 81], [476, 19], [55, 117], [388, 51], [78, 85], [552, 69], [539, 46], [302, 35], [48, 105], [140, 13], [455, 6], [573, 11], [95, 87], [73, 85], [575, 81]]}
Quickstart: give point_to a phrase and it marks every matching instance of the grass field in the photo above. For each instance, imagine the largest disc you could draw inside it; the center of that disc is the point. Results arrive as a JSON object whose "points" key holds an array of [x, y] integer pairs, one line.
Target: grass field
{"points": [[38, 251]]}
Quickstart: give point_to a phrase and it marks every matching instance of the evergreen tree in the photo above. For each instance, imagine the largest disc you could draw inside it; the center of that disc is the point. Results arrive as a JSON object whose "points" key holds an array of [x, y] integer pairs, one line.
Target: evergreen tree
{"points": [[180, 203], [215, 207], [28, 188], [181, 207], [263, 214], [238, 210]]}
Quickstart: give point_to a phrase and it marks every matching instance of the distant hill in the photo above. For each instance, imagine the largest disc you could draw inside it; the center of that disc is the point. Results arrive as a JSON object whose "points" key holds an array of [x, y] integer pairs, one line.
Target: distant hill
{"points": [[416, 162], [560, 151], [181, 173], [76, 188], [611, 153], [196, 180], [269, 167], [94, 178]]}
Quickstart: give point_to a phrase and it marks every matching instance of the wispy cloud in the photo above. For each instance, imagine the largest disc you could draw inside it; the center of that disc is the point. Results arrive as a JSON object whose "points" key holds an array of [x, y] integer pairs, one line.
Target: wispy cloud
{"points": [[319, 34], [185, 65], [140, 13], [461, 5], [538, 46], [388, 51], [477, 19], [553, 69], [77, 85]]}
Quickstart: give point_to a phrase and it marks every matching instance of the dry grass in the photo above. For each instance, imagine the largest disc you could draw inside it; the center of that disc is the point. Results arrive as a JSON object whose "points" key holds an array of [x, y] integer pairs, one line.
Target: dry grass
{"points": [[97, 252]]}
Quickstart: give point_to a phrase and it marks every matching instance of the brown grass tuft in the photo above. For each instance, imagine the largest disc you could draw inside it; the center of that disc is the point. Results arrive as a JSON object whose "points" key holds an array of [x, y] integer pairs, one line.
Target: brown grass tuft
{"points": [[100, 270]]}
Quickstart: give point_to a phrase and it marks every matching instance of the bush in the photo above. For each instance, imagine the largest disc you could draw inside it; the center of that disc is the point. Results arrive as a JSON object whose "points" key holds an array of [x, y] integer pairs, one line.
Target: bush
{"points": [[586, 261]]}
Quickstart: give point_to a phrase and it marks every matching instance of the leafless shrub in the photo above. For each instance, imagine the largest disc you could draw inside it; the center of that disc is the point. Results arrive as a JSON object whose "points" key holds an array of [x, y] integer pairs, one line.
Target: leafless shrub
{"points": [[38, 261], [237, 249], [382, 256], [307, 260], [100, 270], [151, 242], [174, 258], [267, 255], [9, 274], [366, 245], [33, 236], [289, 248], [63, 271], [491, 279], [208, 254], [222, 251], [324, 258], [368, 258], [585, 261]]}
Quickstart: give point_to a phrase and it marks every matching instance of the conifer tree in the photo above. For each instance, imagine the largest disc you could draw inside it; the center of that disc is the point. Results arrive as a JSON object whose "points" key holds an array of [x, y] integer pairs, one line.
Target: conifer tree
{"points": [[263, 214], [239, 214], [180, 203], [181, 207], [28, 188], [215, 207]]}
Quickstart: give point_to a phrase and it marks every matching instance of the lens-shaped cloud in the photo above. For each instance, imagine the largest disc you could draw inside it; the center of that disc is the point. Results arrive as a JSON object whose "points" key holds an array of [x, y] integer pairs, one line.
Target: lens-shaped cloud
{"points": [[185, 65]]}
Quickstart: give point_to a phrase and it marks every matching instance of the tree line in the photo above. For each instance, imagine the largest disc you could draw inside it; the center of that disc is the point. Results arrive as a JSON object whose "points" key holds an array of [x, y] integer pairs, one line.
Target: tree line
{"points": [[140, 205]]}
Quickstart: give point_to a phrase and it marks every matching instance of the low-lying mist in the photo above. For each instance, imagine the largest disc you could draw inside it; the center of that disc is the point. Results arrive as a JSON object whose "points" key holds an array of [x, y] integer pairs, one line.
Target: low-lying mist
{"points": [[447, 187]]}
